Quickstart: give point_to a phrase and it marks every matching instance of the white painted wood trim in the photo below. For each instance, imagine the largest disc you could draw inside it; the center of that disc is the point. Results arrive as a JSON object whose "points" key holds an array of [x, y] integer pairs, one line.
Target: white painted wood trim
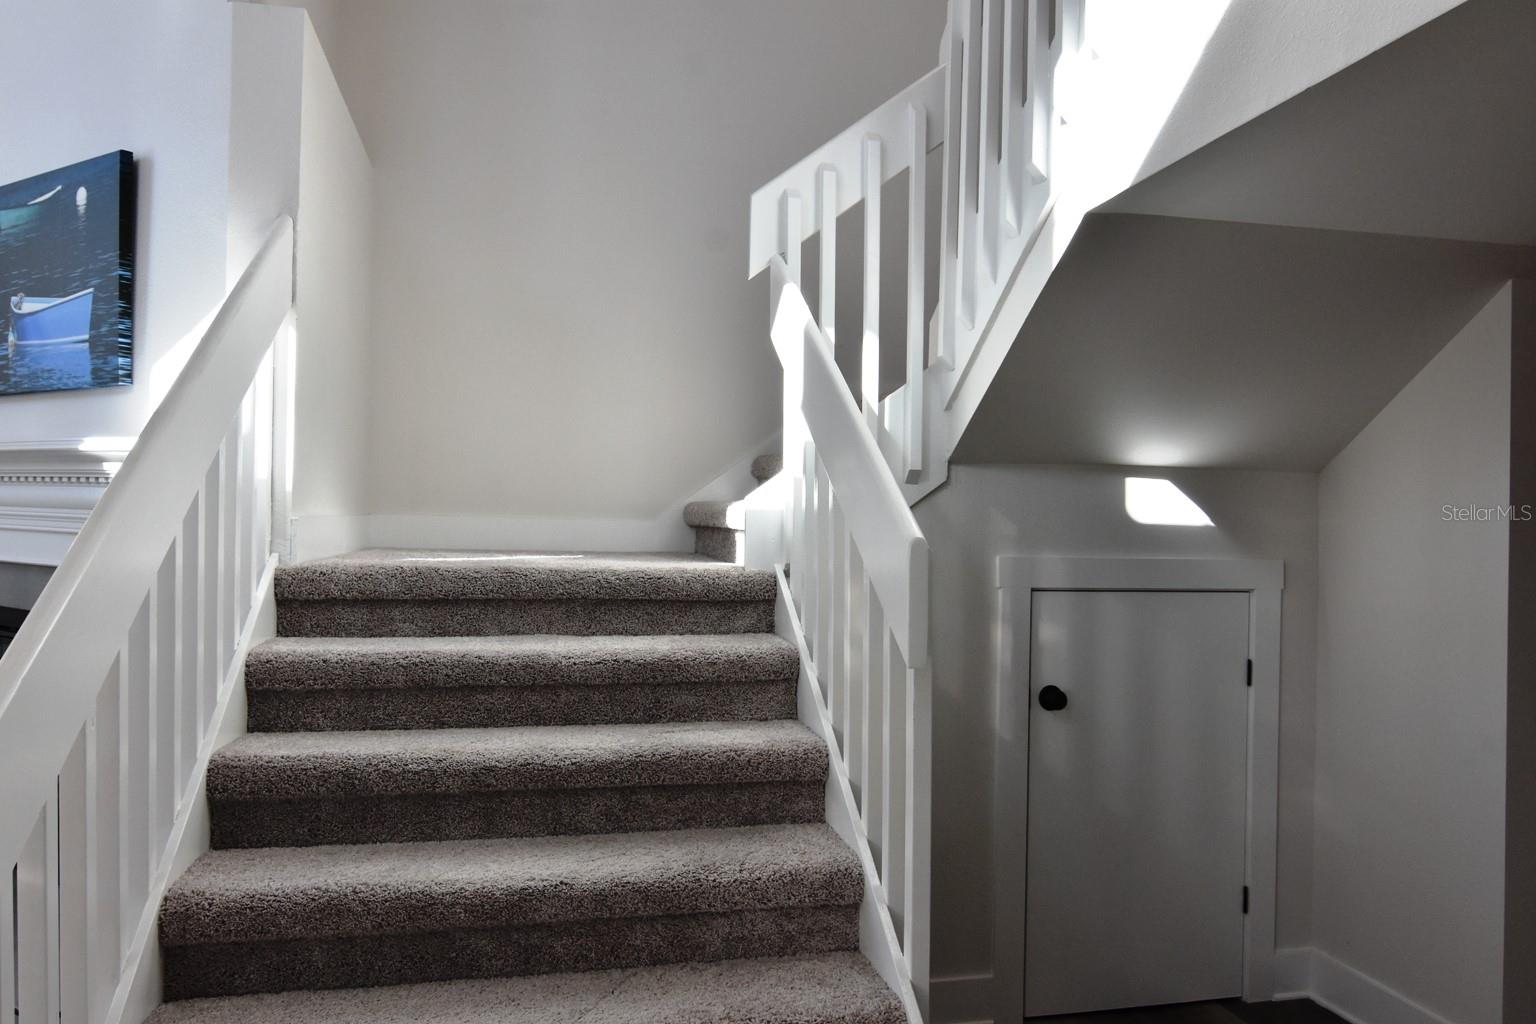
{"points": [[1309, 973], [877, 932], [320, 536], [63, 461], [962, 999], [1017, 578], [138, 991]]}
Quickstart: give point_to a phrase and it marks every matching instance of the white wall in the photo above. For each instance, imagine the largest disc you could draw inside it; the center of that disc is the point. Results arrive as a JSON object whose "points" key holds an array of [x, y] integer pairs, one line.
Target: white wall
{"points": [[333, 312], [562, 325], [151, 77], [296, 150], [986, 511], [1409, 877]]}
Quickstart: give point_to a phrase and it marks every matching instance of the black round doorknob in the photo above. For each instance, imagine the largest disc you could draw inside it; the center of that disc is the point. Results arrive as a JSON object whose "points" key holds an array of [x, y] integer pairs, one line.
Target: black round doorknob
{"points": [[1052, 698]]}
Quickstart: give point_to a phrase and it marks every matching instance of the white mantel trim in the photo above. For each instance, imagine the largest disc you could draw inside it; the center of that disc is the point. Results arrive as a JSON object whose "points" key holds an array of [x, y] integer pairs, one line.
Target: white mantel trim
{"points": [[70, 461]]}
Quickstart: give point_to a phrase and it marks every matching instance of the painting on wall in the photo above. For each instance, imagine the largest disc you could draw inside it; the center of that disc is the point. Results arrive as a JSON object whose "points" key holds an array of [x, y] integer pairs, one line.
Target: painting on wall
{"points": [[66, 277]]}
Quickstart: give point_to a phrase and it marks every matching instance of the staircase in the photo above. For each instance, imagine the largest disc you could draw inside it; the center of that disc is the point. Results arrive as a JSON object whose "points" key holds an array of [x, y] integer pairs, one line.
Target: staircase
{"points": [[720, 527], [470, 775]]}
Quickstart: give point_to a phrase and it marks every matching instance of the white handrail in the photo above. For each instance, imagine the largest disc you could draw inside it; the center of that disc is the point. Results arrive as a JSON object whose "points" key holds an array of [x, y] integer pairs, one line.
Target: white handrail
{"points": [[893, 548], [107, 692], [843, 155]]}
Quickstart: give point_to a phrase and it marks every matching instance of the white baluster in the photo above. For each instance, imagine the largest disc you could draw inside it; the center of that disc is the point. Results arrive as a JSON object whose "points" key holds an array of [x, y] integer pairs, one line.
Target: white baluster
{"points": [[229, 544], [135, 813], [164, 771], [869, 374], [189, 711], [825, 658], [917, 306], [853, 693], [893, 847], [797, 570], [989, 154], [32, 925], [1014, 124], [102, 903], [915, 941], [792, 234], [967, 243], [75, 807], [949, 229], [874, 725], [211, 630], [837, 646], [811, 611], [826, 224], [1040, 69]]}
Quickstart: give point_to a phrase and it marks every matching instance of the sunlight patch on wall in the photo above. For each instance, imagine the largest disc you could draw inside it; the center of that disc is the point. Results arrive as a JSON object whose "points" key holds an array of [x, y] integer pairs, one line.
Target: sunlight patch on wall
{"points": [[1155, 502]]}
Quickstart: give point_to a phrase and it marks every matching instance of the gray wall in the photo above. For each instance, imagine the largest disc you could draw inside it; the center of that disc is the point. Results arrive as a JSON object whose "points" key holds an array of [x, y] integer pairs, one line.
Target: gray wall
{"points": [[1411, 678], [561, 200], [986, 511]]}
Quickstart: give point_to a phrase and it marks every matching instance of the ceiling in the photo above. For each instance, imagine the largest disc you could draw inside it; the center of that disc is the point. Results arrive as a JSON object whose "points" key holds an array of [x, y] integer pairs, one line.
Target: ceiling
{"points": [[1166, 341]]}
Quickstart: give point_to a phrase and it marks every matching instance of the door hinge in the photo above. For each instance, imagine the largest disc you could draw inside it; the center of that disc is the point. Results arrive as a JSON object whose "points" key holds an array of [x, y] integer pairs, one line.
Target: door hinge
{"points": [[1250, 671], [1245, 899]]}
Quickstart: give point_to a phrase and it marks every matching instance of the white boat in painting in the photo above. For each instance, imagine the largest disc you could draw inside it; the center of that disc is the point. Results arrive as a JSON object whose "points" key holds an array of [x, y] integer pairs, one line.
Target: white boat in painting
{"points": [[39, 321], [18, 215]]}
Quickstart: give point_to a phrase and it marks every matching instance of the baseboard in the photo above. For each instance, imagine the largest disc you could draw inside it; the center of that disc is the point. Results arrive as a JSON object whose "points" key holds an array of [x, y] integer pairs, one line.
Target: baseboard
{"points": [[321, 536], [962, 999], [1350, 993], [324, 536], [666, 532]]}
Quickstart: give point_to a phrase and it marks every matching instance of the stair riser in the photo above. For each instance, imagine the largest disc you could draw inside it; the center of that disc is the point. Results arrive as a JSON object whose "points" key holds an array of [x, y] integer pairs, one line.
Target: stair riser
{"points": [[502, 618], [239, 968], [429, 818], [472, 707], [715, 542]]}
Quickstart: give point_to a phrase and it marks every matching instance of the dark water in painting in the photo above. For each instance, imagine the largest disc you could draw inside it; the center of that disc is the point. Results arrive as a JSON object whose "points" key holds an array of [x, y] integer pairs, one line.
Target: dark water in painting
{"points": [[62, 248]]}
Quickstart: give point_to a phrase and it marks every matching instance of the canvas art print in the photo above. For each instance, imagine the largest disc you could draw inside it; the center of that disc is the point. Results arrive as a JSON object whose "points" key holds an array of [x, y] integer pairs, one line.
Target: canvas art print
{"points": [[66, 277]]}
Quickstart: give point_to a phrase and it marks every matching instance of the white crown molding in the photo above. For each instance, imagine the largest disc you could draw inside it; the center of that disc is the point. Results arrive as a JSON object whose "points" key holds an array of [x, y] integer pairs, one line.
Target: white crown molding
{"points": [[48, 489], [71, 461]]}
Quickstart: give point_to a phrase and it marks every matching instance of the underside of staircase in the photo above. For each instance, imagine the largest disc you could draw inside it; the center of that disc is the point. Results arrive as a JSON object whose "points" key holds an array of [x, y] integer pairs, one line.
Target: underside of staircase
{"points": [[521, 787]]}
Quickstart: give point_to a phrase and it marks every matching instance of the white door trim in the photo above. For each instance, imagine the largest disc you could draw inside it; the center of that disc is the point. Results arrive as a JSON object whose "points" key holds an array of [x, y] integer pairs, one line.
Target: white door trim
{"points": [[1018, 577]]}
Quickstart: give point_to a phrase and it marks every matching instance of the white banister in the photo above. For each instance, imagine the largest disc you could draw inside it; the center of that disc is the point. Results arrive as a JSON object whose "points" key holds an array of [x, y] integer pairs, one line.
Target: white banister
{"points": [[853, 562], [107, 693]]}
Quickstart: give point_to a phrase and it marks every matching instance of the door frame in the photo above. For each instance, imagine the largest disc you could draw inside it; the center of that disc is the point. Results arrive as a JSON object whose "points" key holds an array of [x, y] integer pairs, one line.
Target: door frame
{"points": [[1018, 577]]}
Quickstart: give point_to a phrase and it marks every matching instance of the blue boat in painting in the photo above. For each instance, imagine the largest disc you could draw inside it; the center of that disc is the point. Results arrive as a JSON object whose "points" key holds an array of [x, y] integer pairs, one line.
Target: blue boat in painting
{"points": [[66, 321], [19, 215]]}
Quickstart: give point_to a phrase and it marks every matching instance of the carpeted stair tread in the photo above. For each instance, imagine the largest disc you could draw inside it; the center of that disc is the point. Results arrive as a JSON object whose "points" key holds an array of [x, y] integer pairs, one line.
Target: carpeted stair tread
{"points": [[719, 515], [377, 663], [262, 895], [766, 467], [280, 766], [830, 988], [403, 575]]}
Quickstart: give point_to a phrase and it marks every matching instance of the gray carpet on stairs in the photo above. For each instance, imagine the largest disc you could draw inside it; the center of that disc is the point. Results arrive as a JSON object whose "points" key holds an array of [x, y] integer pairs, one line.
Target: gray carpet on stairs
{"points": [[766, 467], [459, 575], [304, 789], [324, 683], [513, 766], [834, 988]]}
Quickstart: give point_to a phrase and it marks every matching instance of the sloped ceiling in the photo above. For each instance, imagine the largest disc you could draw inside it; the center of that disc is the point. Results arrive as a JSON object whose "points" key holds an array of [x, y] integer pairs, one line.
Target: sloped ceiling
{"points": [[1179, 342]]}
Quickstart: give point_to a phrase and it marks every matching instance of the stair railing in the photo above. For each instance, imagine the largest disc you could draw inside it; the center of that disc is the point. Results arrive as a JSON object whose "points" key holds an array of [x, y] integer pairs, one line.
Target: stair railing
{"points": [[853, 562], [110, 689]]}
